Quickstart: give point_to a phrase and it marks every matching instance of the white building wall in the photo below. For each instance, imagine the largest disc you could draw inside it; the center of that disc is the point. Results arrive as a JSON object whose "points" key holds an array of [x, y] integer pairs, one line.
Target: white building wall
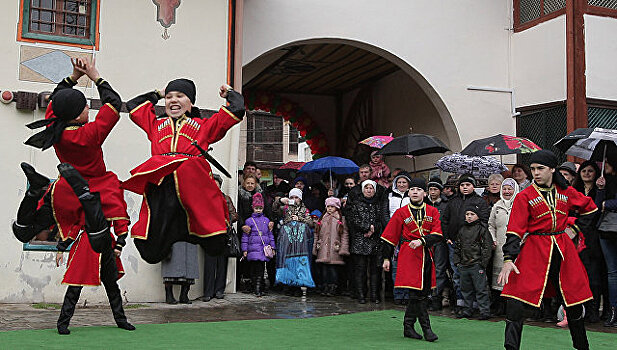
{"points": [[539, 63], [600, 55], [134, 58], [445, 46]]}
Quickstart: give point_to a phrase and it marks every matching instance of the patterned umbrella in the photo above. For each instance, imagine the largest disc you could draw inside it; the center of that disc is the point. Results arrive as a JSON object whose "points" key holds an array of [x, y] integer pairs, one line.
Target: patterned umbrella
{"points": [[477, 165], [377, 141], [589, 143], [499, 145], [289, 170]]}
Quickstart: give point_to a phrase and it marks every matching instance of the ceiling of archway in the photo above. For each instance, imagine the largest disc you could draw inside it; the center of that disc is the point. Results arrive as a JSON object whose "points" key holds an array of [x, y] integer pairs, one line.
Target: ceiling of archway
{"points": [[325, 69]]}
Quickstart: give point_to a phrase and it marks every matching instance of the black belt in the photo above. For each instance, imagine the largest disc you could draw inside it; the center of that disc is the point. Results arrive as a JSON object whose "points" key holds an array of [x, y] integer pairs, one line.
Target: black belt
{"points": [[547, 233], [178, 154]]}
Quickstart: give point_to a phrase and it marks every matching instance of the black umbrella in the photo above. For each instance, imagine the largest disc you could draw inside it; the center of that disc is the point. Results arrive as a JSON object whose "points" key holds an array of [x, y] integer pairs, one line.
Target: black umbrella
{"points": [[415, 145], [589, 143], [499, 145]]}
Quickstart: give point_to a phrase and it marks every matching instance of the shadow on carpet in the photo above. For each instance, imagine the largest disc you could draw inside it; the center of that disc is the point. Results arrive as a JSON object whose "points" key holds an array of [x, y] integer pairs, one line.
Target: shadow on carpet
{"points": [[377, 329]]}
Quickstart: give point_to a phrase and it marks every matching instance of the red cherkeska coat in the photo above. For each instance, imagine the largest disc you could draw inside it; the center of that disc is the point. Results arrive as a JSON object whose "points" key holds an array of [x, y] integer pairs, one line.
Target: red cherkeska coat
{"points": [[531, 213], [80, 146], [410, 270], [84, 264], [199, 195]]}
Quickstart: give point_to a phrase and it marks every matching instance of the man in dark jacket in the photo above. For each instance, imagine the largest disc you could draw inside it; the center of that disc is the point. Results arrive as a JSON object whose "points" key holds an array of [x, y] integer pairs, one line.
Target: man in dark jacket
{"points": [[440, 255], [453, 218], [472, 252]]}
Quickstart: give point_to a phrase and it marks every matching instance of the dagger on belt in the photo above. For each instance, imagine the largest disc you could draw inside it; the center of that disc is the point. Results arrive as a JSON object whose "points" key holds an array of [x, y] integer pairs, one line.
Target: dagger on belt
{"points": [[211, 159]]}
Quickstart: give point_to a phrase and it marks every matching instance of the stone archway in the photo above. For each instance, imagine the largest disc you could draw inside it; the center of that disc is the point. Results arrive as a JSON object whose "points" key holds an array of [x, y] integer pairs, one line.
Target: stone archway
{"points": [[327, 77]]}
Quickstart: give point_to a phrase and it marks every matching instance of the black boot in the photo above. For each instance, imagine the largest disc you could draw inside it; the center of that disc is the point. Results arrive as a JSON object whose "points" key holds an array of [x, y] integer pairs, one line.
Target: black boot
{"points": [[578, 333], [96, 226], [425, 322], [411, 315], [375, 279], [612, 318], [548, 313], [592, 309], [36, 181], [184, 294], [115, 302], [258, 286], [169, 294], [68, 308], [360, 285], [513, 333], [436, 303]]}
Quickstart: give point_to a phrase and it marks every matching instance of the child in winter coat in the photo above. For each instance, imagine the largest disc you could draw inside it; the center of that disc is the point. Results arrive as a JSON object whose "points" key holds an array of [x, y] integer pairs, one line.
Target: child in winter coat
{"points": [[472, 252], [331, 244], [257, 236]]}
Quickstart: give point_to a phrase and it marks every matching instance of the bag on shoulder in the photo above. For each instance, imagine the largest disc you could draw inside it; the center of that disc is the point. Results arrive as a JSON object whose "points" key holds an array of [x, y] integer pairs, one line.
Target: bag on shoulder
{"points": [[233, 244], [268, 251]]}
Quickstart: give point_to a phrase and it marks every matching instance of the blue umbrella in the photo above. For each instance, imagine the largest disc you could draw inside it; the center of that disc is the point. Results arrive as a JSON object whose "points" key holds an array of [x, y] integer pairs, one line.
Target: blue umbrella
{"points": [[336, 165], [330, 164]]}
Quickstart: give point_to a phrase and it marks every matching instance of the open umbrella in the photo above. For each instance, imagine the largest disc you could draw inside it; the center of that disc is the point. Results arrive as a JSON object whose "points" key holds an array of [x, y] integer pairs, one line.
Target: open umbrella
{"points": [[330, 164], [289, 170], [413, 145], [589, 143], [477, 165], [377, 141], [499, 145]]}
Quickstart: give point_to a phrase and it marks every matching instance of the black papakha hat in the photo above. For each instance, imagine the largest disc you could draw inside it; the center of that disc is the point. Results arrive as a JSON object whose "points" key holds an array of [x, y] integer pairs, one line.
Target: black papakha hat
{"points": [[184, 86], [418, 182], [67, 104], [544, 157]]}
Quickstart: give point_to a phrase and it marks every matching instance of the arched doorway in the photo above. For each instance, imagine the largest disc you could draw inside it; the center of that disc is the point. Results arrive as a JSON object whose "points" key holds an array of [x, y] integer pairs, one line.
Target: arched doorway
{"points": [[352, 90]]}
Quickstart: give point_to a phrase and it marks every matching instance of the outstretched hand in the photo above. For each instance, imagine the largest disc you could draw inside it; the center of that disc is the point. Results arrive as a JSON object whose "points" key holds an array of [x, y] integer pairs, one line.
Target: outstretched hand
{"points": [[77, 68], [508, 267]]}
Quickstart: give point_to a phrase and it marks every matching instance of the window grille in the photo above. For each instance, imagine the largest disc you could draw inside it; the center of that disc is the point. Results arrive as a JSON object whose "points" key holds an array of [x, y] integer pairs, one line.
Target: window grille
{"points": [[71, 21], [609, 4], [602, 118], [553, 5], [529, 10], [264, 137], [544, 127]]}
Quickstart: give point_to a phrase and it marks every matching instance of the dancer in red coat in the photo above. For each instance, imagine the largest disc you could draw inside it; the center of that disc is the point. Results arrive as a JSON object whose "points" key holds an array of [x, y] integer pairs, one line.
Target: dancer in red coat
{"points": [[78, 142], [85, 267], [417, 228], [547, 253], [181, 201]]}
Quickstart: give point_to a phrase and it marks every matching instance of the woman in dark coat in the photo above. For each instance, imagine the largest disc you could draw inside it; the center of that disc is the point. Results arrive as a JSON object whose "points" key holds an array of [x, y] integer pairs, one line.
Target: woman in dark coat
{"points": [[367, 218]]}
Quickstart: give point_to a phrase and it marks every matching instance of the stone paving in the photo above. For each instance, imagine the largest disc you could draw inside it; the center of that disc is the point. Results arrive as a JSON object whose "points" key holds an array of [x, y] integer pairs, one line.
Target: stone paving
{"points": [[234, 307]]}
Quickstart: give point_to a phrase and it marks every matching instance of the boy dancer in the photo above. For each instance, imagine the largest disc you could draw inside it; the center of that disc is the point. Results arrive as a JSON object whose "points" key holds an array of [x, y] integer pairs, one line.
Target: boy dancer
{"points": [[181, 201], [418, 228], [541, 210], [85, 267], [78, 142]]}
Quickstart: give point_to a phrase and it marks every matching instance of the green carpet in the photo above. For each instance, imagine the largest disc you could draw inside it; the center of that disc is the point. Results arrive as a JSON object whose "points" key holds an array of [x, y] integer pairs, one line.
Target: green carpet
{"points": [[379, 329]]}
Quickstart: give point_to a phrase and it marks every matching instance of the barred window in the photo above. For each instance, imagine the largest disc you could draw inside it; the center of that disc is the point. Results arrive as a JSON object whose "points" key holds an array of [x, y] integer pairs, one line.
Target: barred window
{"points": [[544, 127], [264, 137], [70, 21], [599, 117], [532, 11], [294, 135], [609, 4]]}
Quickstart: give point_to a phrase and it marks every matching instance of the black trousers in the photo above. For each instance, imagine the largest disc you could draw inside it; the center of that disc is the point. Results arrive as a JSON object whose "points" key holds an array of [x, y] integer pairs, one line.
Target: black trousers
{"points": [[109, 277], [257, 268], [168, 225], [516, 311], [329, 273], [366, 267], [215, 275]]}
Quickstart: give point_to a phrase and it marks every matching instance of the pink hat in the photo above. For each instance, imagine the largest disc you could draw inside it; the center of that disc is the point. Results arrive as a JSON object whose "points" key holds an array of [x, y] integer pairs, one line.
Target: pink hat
{"points": [[258, 200], [333, 201]]}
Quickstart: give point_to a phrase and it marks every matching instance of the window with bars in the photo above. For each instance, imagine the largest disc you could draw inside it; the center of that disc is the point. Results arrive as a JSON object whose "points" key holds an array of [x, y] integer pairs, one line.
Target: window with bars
{"points": [[530, 12], [544, 127], [68, 21], [599, 117], [609, 4], [294, 136], [264, 135]]}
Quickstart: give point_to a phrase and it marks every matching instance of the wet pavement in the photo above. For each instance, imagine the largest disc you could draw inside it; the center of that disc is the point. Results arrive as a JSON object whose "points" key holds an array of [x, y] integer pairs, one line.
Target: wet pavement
{"points": [[234, 307]]}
